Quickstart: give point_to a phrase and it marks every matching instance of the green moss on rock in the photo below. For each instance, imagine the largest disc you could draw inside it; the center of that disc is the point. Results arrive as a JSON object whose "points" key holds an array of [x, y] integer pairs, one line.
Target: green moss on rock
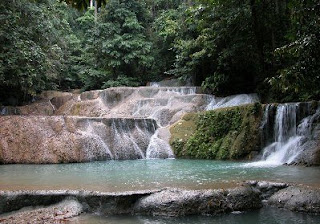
{"points": [[228, 133]]}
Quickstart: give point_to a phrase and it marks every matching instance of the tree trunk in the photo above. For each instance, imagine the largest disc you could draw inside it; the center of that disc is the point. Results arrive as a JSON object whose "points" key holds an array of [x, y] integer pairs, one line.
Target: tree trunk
{"points": [[95, 11], [257, 33]]}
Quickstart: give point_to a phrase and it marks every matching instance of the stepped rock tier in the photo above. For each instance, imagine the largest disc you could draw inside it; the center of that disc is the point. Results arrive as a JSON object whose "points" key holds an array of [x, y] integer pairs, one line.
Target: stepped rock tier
{"points": [[41, 139], [115, 123]]}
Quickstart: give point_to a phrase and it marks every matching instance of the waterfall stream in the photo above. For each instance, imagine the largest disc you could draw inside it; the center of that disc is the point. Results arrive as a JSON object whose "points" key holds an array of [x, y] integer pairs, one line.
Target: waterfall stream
{"points": [[286, 127]]}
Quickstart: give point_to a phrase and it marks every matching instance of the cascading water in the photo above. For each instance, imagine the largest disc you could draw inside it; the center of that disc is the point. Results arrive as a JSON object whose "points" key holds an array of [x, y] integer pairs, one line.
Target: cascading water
{"points": [[158, 148], [286, 127], [112, 116], [231, 101], [93, 139], [130, 140]]}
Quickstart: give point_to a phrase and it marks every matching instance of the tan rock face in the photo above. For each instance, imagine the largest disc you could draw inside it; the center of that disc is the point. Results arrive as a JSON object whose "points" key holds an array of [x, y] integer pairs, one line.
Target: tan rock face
{"points": [[42, 139], [115, 123], [164, 104]]}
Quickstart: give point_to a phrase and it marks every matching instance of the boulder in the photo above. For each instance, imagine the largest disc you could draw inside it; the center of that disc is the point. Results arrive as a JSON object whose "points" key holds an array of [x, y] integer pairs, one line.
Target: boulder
{"points": [[177, 202], [298, 199]]}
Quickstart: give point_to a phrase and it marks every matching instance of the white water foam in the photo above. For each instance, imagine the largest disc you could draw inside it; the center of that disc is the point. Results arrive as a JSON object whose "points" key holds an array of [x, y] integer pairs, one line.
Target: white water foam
{"points": [[158, 148], [231, 101], [93, 139], [123, 140], [288, 137]]}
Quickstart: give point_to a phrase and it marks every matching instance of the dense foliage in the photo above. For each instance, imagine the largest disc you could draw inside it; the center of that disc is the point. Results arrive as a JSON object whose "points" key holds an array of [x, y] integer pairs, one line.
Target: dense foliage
{"points": [[267, 46], [36, 41]]}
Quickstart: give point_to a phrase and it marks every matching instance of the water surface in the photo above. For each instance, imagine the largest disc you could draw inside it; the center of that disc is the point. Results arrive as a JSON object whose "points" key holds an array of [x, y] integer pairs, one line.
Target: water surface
{"points": [[262, 216], [130, 175]]}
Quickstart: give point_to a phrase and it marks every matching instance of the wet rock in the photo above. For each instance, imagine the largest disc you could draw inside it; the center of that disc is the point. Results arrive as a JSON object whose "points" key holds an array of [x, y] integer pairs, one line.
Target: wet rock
{"points": [[43, 108], [171, 202], [298, 199], [52, 214], [243, 198], [266, 188], [310, 155], [171, 82], [42, 139], [92, 201], [180, 202], [57, 102], [55, 139], [205, 202]]}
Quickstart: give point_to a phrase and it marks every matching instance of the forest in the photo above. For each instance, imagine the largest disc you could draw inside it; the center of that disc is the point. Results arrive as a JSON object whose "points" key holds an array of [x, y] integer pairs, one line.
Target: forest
{"points": [[271, 47]]}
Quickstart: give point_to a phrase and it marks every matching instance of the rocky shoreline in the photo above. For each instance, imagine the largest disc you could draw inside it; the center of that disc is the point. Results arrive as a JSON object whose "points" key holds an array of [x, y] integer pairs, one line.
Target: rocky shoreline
{"points": [[56, 205]]}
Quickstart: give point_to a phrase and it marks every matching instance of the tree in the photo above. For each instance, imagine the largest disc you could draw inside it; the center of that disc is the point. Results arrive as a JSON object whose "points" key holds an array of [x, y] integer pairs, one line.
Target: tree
{"points": [[298, 75], [35, 47], [165, 30], [216, 48], [85, 4], [122, 44]]}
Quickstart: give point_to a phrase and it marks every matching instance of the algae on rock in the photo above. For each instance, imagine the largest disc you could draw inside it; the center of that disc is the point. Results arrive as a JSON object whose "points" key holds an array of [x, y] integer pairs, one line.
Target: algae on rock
{"points": [[228, 133]]}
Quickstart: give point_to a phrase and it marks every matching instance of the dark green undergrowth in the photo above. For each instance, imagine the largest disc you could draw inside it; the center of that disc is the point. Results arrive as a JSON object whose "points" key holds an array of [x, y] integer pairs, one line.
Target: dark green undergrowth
{"points": [[229, 133]]}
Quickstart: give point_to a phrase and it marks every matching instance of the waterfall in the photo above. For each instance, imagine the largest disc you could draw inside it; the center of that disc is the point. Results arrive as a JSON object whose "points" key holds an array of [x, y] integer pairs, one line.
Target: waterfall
{"points": [[130, 140], [231, 101], [114, 123], [93, 139], [154, 84], [158, 148], [291, 126]]}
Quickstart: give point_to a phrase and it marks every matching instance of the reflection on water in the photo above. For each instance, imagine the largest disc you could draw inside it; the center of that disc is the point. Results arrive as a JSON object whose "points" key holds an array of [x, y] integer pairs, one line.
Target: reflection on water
{"points": [[262, 216], [147, 174]]}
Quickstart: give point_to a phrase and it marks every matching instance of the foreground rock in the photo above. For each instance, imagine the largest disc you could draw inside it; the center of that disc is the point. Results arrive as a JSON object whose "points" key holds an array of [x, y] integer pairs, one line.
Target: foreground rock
{"points": [[42, 139], [298, 199], [57, 213], [92, 201], [204, 202], [167, 202]]}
